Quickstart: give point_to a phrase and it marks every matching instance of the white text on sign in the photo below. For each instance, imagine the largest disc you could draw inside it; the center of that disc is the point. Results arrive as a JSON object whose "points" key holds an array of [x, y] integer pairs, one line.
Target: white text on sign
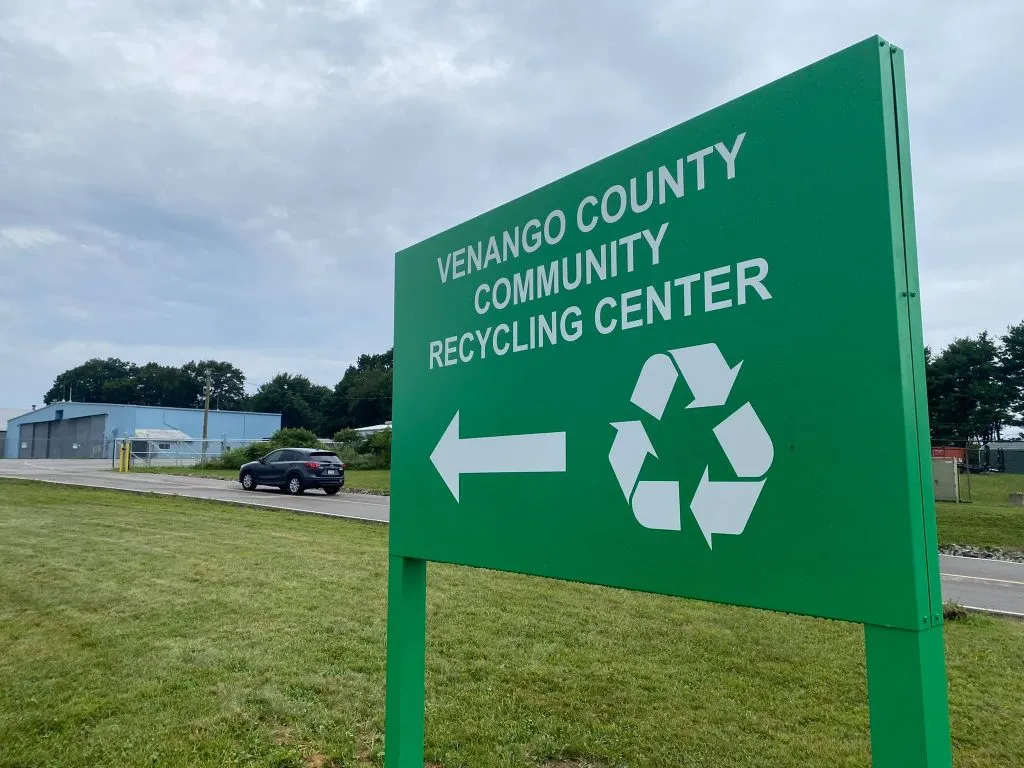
{"points": [[709, 291], [719, 288]]}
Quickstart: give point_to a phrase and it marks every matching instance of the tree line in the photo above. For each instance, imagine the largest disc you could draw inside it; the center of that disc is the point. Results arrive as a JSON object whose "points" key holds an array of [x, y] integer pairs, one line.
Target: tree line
{"points": [[361, 398], [976, 387]]}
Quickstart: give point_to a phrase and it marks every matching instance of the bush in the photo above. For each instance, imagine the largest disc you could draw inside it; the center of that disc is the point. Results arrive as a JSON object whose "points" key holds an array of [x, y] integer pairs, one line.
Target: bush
{"points": [[234, 458], [372, 453], [348, 437], [952, 611], [294, 438], [379, 444]]}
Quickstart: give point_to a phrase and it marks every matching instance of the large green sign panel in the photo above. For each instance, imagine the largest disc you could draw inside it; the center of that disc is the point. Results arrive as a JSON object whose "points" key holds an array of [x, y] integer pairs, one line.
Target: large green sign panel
{"points": [[692, 368]]}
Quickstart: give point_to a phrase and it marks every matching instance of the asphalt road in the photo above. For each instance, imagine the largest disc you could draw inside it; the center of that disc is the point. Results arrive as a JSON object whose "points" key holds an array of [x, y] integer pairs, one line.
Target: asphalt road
{"points": [[980, 584], [984, 584], [98, 474]]}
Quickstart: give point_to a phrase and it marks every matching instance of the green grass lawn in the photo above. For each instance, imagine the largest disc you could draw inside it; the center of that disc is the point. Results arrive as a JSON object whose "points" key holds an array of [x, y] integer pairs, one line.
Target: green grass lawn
{"points": [[355, 479], [160, 631], [989, 521]]}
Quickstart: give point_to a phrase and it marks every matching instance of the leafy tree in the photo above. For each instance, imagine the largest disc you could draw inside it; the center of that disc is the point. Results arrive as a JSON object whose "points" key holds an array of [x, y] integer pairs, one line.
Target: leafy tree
{"points": [[85, 383], [968, 395], [120, 391], [1013, 370], [167, 386], [296, 398], [363, 396], [227, 384]]}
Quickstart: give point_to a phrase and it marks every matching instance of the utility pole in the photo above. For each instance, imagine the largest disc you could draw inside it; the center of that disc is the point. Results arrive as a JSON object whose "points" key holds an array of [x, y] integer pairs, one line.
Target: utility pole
{"points": [[206, 416]]}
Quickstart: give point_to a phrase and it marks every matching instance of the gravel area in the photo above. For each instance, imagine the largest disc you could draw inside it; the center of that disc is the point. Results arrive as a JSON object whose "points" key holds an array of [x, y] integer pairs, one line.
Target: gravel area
{"points": [[963, 550]]}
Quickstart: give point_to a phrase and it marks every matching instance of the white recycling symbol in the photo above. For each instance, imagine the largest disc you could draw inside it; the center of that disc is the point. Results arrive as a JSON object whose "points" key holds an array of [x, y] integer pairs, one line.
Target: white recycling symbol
{"points": [[719, 506]]}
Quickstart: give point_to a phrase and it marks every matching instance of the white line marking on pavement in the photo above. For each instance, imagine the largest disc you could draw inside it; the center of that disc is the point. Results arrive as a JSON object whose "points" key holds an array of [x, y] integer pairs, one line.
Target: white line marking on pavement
{"points": [[995, 611], [982, 559], [983, 578]]}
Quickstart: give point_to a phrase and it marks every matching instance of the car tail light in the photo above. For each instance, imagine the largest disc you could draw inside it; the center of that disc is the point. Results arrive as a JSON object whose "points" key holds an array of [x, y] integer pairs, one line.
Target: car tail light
{"points": [[312, 465]]}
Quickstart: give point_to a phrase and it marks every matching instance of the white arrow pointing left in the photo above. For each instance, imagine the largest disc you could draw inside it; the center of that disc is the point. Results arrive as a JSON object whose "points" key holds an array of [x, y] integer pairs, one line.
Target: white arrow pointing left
{"points": [[455, 456]]}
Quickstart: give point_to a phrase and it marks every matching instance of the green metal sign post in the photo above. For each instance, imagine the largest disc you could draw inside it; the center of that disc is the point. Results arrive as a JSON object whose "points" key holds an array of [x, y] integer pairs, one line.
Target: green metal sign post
{"points": [[643, 375]]}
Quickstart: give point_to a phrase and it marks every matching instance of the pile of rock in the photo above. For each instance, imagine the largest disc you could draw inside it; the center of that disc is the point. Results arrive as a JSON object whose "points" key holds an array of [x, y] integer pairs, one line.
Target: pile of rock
{"points": [[964, 550]]}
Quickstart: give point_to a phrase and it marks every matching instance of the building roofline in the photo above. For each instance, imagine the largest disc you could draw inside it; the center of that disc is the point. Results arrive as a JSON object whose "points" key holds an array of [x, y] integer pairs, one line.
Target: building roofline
{"points": [[146, 407]]}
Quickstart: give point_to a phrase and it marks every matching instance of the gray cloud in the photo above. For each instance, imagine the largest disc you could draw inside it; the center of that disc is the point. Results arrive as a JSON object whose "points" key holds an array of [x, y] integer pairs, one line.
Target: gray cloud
{"points": [[197, 179]]}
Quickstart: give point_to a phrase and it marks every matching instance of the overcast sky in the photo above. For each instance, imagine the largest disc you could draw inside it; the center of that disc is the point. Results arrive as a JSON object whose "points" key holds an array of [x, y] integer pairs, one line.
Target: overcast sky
{"points": [[198, 178]]}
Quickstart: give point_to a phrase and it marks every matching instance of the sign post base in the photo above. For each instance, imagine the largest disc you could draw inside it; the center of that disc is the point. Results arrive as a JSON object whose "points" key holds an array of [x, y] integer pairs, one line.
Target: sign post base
{"points": [[406, 662], [908, 698]]}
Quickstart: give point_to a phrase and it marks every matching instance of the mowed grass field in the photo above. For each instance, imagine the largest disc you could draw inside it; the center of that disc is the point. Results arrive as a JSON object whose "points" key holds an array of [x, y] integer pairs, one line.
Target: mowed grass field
{"points": [[378, 480], [989, 521], [160, 631]]}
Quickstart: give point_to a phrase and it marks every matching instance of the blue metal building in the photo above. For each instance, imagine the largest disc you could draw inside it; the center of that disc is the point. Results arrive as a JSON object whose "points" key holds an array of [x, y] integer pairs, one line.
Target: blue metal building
{"points": [[89, 430]]}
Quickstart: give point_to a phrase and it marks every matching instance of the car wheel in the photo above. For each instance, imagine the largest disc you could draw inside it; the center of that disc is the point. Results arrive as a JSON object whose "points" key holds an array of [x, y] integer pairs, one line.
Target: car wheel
{"points": [[248, 482], [294, 486], [331, 491]]}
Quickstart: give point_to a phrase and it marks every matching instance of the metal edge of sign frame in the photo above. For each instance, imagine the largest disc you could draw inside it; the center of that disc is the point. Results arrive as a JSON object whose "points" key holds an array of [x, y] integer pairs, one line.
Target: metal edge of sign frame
{"points": [[926, 550]]}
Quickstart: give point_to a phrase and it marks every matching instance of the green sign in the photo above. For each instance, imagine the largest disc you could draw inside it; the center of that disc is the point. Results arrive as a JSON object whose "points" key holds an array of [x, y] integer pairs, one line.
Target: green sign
{"points": [[693, 368]]}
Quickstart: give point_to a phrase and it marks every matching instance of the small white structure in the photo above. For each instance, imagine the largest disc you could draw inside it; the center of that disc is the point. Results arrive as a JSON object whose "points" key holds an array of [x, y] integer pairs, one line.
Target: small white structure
{"points": [[158, 446], [946, 478], [367, 431]]}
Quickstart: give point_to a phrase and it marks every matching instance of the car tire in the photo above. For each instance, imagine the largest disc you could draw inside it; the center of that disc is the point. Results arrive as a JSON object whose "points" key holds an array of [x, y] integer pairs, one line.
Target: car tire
{"points": [[248, 482], [332, 491], [294, 486]]}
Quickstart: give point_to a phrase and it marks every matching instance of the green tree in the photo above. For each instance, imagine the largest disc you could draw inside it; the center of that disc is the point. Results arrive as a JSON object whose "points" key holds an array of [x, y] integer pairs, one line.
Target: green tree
{"points": [[363, 396], [85, 383], [1012, 364], [968, 395], [296, 398], [227, 384], [166, 385], [120, 391]]}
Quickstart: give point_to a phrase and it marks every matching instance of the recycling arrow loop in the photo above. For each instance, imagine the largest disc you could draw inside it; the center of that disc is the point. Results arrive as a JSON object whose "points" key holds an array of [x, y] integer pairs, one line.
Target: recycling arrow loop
{"points": [[720, 507]]}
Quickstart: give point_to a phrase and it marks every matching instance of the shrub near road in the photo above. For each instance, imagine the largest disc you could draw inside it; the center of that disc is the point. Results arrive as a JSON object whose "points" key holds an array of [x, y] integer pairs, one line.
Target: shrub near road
{"points": [[158, 631], [373, 452]]}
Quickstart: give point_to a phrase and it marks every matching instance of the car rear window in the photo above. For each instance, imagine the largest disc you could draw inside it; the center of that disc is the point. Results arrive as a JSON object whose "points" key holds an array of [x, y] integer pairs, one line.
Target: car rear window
{"points": [[325, 457]]}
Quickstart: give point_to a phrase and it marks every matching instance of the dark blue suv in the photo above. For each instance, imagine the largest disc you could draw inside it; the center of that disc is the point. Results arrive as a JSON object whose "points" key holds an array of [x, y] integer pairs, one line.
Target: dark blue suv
{"points": [[294, 470]]}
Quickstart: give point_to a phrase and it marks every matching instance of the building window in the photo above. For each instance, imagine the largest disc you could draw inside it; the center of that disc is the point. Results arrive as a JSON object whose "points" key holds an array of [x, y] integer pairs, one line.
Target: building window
{"points": [[59, 415]]}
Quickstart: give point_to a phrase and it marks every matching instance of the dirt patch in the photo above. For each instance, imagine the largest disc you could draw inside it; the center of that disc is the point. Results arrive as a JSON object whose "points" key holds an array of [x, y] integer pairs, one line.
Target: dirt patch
{"points": [[282, 735]]}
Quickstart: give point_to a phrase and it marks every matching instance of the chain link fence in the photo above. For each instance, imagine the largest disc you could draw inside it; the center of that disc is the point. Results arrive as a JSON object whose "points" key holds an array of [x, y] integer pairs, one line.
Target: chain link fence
{"points": [[177, 453]]}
